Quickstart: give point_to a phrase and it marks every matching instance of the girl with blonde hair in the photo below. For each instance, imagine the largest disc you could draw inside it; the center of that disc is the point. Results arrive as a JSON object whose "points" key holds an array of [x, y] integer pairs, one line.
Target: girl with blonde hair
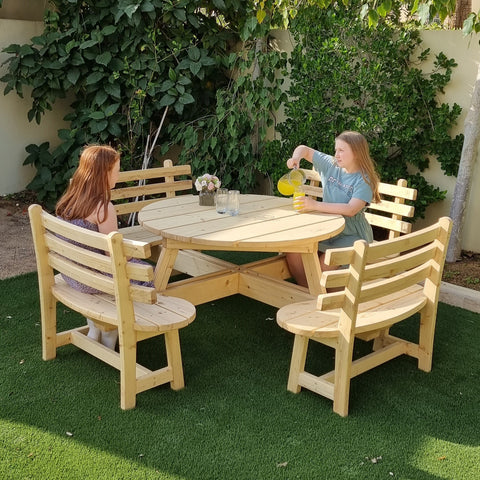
{"points": [[349, 182]]}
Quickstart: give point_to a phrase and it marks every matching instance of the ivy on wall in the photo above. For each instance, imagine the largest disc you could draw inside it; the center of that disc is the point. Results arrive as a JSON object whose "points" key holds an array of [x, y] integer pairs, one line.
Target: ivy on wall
{"points": [[124, 61], [346, 77]]}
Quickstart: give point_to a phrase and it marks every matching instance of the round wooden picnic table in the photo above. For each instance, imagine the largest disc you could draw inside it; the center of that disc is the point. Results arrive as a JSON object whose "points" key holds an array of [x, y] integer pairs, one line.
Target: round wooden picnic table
{"points": [[264, 224]]}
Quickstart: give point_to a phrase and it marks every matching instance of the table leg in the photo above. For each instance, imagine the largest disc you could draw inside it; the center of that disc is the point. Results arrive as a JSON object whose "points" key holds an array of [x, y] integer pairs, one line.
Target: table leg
{"points": [[313, 272], [164, 268]]}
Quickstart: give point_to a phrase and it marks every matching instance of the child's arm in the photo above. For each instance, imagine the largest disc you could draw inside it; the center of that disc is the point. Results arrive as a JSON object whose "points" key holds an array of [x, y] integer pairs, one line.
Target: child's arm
{"points": [[349, 209], [110, 222], [302, 151]]}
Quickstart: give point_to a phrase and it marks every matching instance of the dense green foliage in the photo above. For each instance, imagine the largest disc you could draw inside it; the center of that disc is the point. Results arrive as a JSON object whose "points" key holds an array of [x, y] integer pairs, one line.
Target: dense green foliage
{"points": [[346, 77], [123, 62]]}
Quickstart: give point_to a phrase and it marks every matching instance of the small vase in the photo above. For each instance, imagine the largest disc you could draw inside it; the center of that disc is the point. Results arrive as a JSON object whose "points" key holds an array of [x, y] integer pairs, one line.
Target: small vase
{"points": [[206, 199]]}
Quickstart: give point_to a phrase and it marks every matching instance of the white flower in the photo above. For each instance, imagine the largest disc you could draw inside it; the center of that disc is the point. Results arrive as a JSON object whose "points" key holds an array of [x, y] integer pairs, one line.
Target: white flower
{"points": [[207, 183]]}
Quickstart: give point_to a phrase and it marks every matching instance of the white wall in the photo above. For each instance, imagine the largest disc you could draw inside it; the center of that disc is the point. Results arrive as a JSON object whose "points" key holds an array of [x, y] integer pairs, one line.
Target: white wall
{"points": [[15, 130]]}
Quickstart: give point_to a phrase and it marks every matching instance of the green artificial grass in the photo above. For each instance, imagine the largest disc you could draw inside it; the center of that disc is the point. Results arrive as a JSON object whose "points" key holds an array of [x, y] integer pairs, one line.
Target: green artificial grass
{"points": [[235, 419]]}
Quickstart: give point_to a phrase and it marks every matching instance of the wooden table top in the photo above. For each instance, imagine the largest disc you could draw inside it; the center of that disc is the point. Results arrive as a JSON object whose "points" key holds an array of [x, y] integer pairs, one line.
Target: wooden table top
{"points": [[265, 223]]}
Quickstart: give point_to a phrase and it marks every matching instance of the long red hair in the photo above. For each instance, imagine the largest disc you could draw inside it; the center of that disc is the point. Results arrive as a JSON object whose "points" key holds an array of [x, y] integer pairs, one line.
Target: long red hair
{"points": [[360, 149], [89, 189]]}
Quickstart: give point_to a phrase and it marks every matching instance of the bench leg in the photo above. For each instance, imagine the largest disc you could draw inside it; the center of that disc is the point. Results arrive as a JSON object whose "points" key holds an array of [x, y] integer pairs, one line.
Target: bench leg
{"points": [[128, 372], [297, 364], [174, 359]]}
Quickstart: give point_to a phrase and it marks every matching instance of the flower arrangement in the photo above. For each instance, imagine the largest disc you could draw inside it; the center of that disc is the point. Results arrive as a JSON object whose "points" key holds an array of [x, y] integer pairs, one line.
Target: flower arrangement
{"points": [[207, 183]]}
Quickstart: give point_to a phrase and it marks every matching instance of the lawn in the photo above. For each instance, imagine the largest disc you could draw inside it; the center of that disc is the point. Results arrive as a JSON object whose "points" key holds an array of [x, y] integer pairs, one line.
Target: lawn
{"points": [[235, 419]]}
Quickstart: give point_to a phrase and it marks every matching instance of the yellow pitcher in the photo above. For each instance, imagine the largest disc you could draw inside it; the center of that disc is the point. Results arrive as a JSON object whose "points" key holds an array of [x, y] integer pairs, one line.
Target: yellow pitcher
{"points": [[291, 180]]}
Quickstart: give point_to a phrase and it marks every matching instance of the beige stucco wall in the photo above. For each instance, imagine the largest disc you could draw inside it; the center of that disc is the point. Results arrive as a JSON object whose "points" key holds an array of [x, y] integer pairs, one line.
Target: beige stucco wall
{"points": [[466, 53], [16, 132], [23, 9]]}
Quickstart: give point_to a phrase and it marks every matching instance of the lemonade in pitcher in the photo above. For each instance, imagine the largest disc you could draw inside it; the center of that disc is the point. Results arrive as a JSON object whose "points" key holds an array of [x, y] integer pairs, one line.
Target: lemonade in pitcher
{"points": [[290, 181]]}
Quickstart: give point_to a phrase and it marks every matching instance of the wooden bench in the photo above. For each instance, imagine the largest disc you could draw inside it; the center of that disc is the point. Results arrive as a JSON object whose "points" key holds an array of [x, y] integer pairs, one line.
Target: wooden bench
{"points": [[389, 215], [374, 296], [137, 188], [136, 311]]}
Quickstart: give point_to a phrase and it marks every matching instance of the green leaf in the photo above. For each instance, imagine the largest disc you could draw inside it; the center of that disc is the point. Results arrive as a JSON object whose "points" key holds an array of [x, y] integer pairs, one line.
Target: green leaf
{"points": [[114, 129], [100, 97], [25, 50], [180, 15], [167, 100], [468, 24], [98, 126], [111, 109], [130, 10], [113, 89], [94, 77], [88, 44], [97, 115], [195, 67], [104, 58], [109, 29], [166, 85], [186, 98], [77, 59], [73, 75], [194, 53], [423, 13]]}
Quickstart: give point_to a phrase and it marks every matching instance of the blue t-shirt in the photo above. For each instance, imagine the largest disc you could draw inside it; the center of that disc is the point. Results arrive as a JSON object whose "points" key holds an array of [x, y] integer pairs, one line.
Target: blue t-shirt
{"points": [[340, 187]]}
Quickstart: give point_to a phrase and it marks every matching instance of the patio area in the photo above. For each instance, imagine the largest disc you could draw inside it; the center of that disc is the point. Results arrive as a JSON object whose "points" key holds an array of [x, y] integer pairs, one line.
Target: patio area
{"points": [[234, 419]]}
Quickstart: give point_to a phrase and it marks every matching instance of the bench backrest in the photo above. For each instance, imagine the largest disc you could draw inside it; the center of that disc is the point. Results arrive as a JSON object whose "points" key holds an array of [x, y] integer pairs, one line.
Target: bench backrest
{"points": [[389, 214], [418, 257], [137, 188], [79, 253]]}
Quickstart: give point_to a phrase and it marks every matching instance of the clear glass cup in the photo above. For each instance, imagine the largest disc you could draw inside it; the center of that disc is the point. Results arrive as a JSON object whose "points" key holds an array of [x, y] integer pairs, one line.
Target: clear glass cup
{"points": [[298, 199], [233, 207], [221, 200]]}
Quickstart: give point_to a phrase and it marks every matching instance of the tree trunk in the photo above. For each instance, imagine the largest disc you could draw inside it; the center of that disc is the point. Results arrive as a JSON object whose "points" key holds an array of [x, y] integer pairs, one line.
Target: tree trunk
{"points": [[464, 176]]}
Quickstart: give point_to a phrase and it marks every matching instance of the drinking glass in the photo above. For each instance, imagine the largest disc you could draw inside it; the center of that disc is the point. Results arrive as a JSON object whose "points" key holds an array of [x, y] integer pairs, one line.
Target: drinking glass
{"points": [[233, 202], [221, 200], [297, 195]]}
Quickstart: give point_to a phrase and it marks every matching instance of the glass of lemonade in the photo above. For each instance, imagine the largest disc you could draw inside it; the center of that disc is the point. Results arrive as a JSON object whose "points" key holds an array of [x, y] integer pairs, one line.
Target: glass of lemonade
{"points": [[297, 196]]}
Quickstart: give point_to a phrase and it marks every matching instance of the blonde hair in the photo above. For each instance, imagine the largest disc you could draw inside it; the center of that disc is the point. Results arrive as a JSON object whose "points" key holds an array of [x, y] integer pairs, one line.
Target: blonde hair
{"points": [[361, 151], [89, 189]]}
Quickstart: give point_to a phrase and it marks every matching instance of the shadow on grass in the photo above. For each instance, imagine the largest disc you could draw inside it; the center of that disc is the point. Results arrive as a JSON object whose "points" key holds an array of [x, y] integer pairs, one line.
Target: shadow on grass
{"points": [[234, 419]]}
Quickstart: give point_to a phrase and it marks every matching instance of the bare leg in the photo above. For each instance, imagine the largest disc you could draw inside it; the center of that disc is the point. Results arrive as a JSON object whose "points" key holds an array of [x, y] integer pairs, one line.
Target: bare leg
{"points": [[295, 265]]}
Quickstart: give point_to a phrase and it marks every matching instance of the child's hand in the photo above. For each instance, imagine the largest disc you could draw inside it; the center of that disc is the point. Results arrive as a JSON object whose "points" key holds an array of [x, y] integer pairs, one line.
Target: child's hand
{"points": [[293, 162], [304, 204]]}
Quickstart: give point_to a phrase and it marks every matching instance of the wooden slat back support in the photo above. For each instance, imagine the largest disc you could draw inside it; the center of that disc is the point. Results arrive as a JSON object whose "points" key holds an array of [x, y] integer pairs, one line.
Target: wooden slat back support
{"points": [[414, 257], [67, 250], [161, 182], [387, 215]]}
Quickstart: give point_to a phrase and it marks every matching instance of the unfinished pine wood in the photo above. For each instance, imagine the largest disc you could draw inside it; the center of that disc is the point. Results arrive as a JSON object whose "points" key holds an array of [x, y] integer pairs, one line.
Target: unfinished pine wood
{"points": [[265, 224], [136, 311], [376, 295], [137, 188]]}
